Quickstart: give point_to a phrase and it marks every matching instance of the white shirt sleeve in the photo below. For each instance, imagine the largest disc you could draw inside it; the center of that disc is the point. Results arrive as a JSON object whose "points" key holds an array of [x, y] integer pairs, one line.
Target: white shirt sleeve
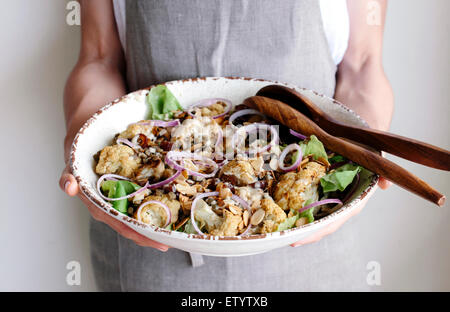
{"points": [[120, 16], [336, 25]]}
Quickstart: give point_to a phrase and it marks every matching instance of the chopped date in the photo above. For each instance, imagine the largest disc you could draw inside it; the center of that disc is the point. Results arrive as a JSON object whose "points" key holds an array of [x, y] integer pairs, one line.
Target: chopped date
{"points": [[166, 146], [143, 141]]}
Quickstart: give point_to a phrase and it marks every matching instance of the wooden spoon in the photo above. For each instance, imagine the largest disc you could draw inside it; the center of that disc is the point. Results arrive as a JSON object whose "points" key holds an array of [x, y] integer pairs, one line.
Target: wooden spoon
{"points": [[295, 120], [413, 150]]}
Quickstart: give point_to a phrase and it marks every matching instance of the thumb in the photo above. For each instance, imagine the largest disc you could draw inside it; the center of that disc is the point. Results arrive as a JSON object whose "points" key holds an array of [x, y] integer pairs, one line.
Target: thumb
{"points": [[68, 183], [383, 183]]}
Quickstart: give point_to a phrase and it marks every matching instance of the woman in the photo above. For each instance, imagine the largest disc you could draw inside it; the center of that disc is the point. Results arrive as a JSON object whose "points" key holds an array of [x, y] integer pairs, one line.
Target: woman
{"points": [[290, 41]]}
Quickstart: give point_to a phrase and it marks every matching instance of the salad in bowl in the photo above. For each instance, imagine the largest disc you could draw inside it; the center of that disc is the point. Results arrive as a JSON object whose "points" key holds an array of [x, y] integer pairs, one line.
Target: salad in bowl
{"points": [[185, 164], [221, 169]]}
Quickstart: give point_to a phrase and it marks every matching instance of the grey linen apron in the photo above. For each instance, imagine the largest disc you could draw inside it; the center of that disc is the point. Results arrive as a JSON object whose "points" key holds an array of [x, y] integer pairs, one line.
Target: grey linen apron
{"points": [[276, 40]]}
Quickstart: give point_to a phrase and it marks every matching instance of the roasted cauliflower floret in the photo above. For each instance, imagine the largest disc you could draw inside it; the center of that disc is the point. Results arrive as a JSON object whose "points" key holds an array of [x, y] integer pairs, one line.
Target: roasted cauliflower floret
{"points": [[118, 159], [273, 217], [229, 226], [206, 217], [294, 188], [153, 170], [155, 214], [135, 129], [197, 135], [211, 110], [251, 195], [238, 172]]}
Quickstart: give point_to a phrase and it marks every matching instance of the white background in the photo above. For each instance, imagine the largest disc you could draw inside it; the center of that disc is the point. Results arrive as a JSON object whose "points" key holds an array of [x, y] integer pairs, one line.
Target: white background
{"points": [[41, 230]]}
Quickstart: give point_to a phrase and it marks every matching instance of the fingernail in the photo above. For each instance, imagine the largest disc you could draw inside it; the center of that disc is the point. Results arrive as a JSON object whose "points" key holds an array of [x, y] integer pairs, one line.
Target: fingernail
{"points": [[66, 185], [163, 249]]}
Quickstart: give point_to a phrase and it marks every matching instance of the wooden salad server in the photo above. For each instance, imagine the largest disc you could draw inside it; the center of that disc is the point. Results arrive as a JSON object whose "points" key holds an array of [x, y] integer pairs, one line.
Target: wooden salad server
{"points": [[410, 149], [295, 120]]}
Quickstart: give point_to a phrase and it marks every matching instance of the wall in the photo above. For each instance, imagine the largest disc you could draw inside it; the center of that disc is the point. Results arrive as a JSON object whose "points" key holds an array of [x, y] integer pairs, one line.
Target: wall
{"points": [[408, 236], [41, 229]]}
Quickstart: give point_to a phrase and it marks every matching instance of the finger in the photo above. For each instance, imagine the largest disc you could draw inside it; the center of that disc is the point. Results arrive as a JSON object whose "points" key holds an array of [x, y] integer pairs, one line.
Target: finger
{"points": [[383, 183], [310, 240], [331, 228], [314, 238], [68, 183], [137, 238], [152, 244]]}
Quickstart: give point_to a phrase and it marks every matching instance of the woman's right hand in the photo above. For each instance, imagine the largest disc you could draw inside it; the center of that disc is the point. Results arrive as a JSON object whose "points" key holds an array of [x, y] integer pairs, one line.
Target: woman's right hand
{"points": [[97, 79], [69, 185]]}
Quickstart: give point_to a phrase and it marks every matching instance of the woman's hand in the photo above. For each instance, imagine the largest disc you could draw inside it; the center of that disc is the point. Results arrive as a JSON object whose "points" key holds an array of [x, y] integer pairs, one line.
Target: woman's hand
{"points": [[333, 227], [362, 86], [96, 80], [69, 185]]}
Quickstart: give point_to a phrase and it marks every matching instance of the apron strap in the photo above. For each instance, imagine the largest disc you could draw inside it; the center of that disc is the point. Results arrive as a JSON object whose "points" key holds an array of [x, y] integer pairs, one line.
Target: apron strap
{"points": [[196, 259]]}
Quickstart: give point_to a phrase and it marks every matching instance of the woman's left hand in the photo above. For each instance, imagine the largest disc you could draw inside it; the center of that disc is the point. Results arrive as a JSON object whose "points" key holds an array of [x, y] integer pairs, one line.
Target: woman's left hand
{"points": [[333, 227], [362, 85]]}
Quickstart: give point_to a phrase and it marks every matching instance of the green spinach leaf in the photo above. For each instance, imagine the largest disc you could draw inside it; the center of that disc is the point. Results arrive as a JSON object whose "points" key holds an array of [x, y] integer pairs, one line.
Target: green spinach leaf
{"points": [[315, 148], [116, 189], [120, 205], [189, 228], [288, 223], [336, 159], [162, 103], [340, 178], [308, 214]]}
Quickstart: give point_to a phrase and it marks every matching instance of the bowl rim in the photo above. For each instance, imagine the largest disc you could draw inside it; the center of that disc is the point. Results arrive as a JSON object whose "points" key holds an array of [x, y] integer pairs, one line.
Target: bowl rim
{"points": [[107, 207]]}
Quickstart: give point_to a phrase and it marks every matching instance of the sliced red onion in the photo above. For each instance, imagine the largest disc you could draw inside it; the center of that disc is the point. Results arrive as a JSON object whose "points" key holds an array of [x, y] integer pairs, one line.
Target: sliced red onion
{"points": [[285, 152], [115, 176], [249, 226], [255, 127], [222, 163], [209, 102], [166, 181], [210, 194], [246, 206], [159, 123], [146, 186], [320, 203], [167, 210], [194, 206], [173, 156], [128, 143], [111, 176], [243, 112], [298, 135], [241, 201]]}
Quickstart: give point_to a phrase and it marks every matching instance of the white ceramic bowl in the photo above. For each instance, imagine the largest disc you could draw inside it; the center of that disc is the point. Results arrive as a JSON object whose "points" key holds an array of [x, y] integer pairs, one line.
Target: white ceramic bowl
{"points": [[99, 130]]}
